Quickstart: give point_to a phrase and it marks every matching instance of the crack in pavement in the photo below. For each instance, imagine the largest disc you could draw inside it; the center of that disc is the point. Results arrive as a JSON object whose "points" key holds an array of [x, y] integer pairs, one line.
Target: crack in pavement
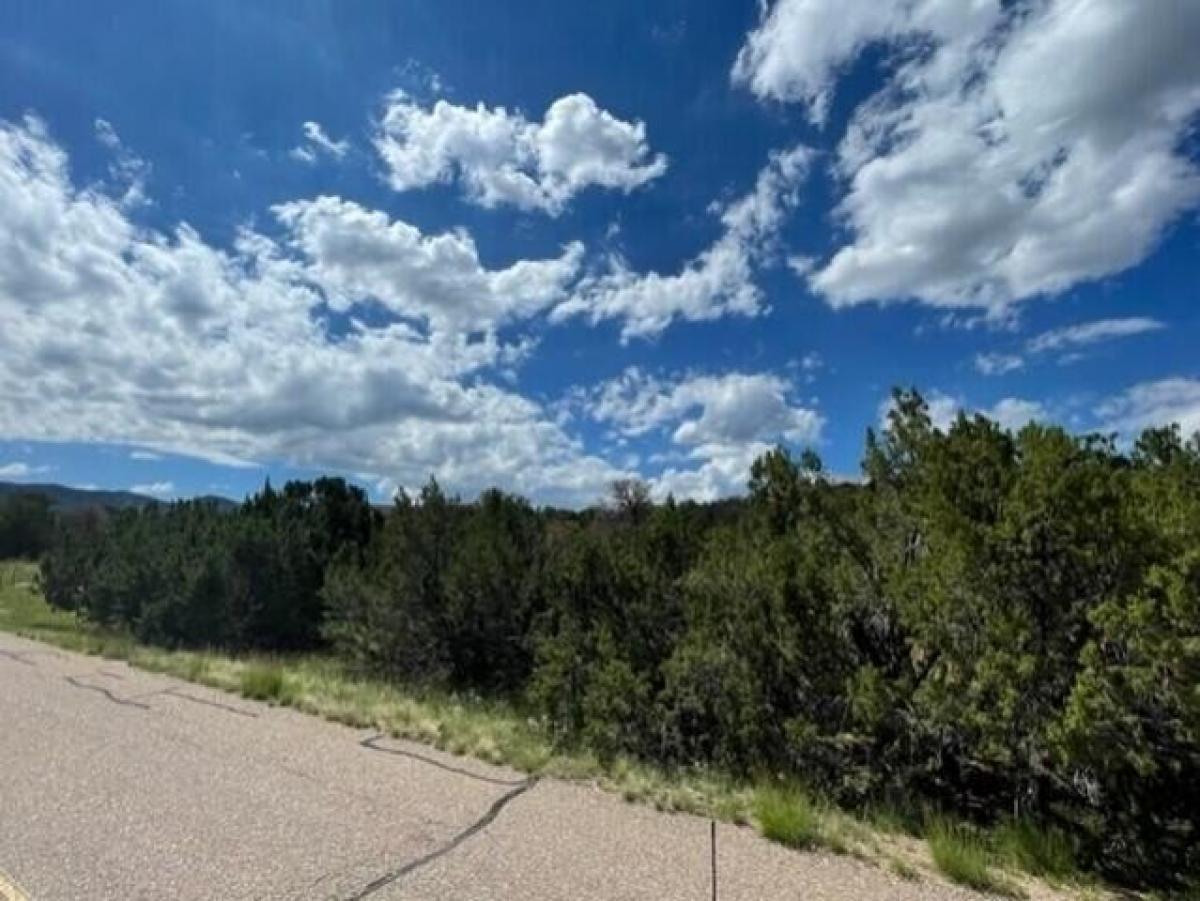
{"points": [[478, 826], [516, 788], [179, 693], [125, 702], [371, 744], [17, 656]]}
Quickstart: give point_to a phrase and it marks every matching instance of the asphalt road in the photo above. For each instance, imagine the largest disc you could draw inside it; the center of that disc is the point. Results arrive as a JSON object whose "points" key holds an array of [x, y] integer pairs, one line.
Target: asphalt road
{"points": [[115, 783]]}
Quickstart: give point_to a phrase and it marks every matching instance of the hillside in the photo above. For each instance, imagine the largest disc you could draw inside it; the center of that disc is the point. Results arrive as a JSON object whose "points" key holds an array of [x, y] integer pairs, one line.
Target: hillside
{"points": [[64, 497]]}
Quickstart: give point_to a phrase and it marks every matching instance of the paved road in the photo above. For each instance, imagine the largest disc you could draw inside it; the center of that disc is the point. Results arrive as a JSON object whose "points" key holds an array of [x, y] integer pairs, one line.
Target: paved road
{"points": [[115, 783]]}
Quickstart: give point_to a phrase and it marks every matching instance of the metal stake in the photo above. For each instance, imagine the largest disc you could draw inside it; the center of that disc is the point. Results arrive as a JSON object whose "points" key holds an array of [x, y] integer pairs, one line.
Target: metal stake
{"points": [[713, 834]]}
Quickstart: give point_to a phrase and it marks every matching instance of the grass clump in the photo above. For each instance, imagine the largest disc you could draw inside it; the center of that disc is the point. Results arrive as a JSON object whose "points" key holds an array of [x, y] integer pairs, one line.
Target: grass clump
{"points": [[788, 815], [963, 857], [264, 682], [904, 869], [1039, 851]]}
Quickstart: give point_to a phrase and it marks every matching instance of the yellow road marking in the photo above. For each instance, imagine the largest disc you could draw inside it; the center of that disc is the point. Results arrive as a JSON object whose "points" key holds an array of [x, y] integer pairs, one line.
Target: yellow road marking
{"points": [[9, 890]]}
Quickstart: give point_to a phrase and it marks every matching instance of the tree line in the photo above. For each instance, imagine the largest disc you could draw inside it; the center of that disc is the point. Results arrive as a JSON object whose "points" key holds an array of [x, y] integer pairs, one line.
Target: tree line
{"points": [[990, 623]]}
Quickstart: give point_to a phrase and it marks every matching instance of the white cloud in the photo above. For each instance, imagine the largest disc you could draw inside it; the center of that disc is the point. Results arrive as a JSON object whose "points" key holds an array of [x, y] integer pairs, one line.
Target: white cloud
{"points": [[720, 281], [1068, 340], [1085, 333], [1017, 149], [798, 49], [500, 157], [107, 135], [21, 470], [144, 456], [118, 333], [997, 363], [1012, 413], [1153, 404], [355, 253], [128, 171], [154, 489], [720, 423], [318, 143]]}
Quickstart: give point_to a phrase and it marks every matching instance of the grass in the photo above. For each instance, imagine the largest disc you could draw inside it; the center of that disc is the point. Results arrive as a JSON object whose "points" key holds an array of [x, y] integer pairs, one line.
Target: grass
{"points": [[265, 682], [501, 733], [904, 869], [963, 856], [788, 815], [1047, 853]]}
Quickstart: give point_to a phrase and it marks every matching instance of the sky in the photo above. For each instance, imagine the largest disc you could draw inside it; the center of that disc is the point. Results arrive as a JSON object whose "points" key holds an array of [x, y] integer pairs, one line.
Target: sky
{"points": [[543, 246]]}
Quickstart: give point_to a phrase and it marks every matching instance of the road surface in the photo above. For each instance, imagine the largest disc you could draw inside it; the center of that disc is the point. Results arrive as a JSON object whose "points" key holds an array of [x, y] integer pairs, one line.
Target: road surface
{"points": [[116, 783]]}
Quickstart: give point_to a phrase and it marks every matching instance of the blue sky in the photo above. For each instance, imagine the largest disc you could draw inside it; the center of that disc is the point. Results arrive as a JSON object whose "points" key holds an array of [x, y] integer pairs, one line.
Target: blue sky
{"points": [[544, 245]]}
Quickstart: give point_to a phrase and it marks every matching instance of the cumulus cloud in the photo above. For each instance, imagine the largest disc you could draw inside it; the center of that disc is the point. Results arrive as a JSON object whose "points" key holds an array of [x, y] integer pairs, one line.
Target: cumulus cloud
{"points": [[317, 144], [800, 46], [1016, 150], [719, 423], [500, 157], [1012, 413], [354, 252], [720, 281], [114, 332], [1153, 404]]}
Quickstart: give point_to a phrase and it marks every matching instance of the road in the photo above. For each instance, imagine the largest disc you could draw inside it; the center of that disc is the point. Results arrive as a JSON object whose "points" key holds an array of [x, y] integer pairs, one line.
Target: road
{"points": [[116, 783]]}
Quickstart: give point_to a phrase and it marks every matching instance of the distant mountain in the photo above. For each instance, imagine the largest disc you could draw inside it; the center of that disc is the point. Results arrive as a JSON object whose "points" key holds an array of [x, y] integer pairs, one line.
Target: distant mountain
{"points": [[65, 498]]}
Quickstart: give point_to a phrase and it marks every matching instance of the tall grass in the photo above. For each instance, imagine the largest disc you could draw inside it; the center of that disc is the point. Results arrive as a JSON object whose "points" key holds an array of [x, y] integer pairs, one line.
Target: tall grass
{"points": [[788, 815], [962, 855], [1039, 851], [265, 682]]}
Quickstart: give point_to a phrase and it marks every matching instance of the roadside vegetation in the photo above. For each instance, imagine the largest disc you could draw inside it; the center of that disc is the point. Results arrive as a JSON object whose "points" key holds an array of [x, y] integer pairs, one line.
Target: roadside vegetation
{"points": [[992, 641]]}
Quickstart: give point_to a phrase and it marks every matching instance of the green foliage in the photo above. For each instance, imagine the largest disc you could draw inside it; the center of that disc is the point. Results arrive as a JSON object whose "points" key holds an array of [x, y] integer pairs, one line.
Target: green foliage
{"points": [[191, 574], [963, 857], [26, 526], [1002, 626], [1038, 850], [786, 814], [264, 682]]}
